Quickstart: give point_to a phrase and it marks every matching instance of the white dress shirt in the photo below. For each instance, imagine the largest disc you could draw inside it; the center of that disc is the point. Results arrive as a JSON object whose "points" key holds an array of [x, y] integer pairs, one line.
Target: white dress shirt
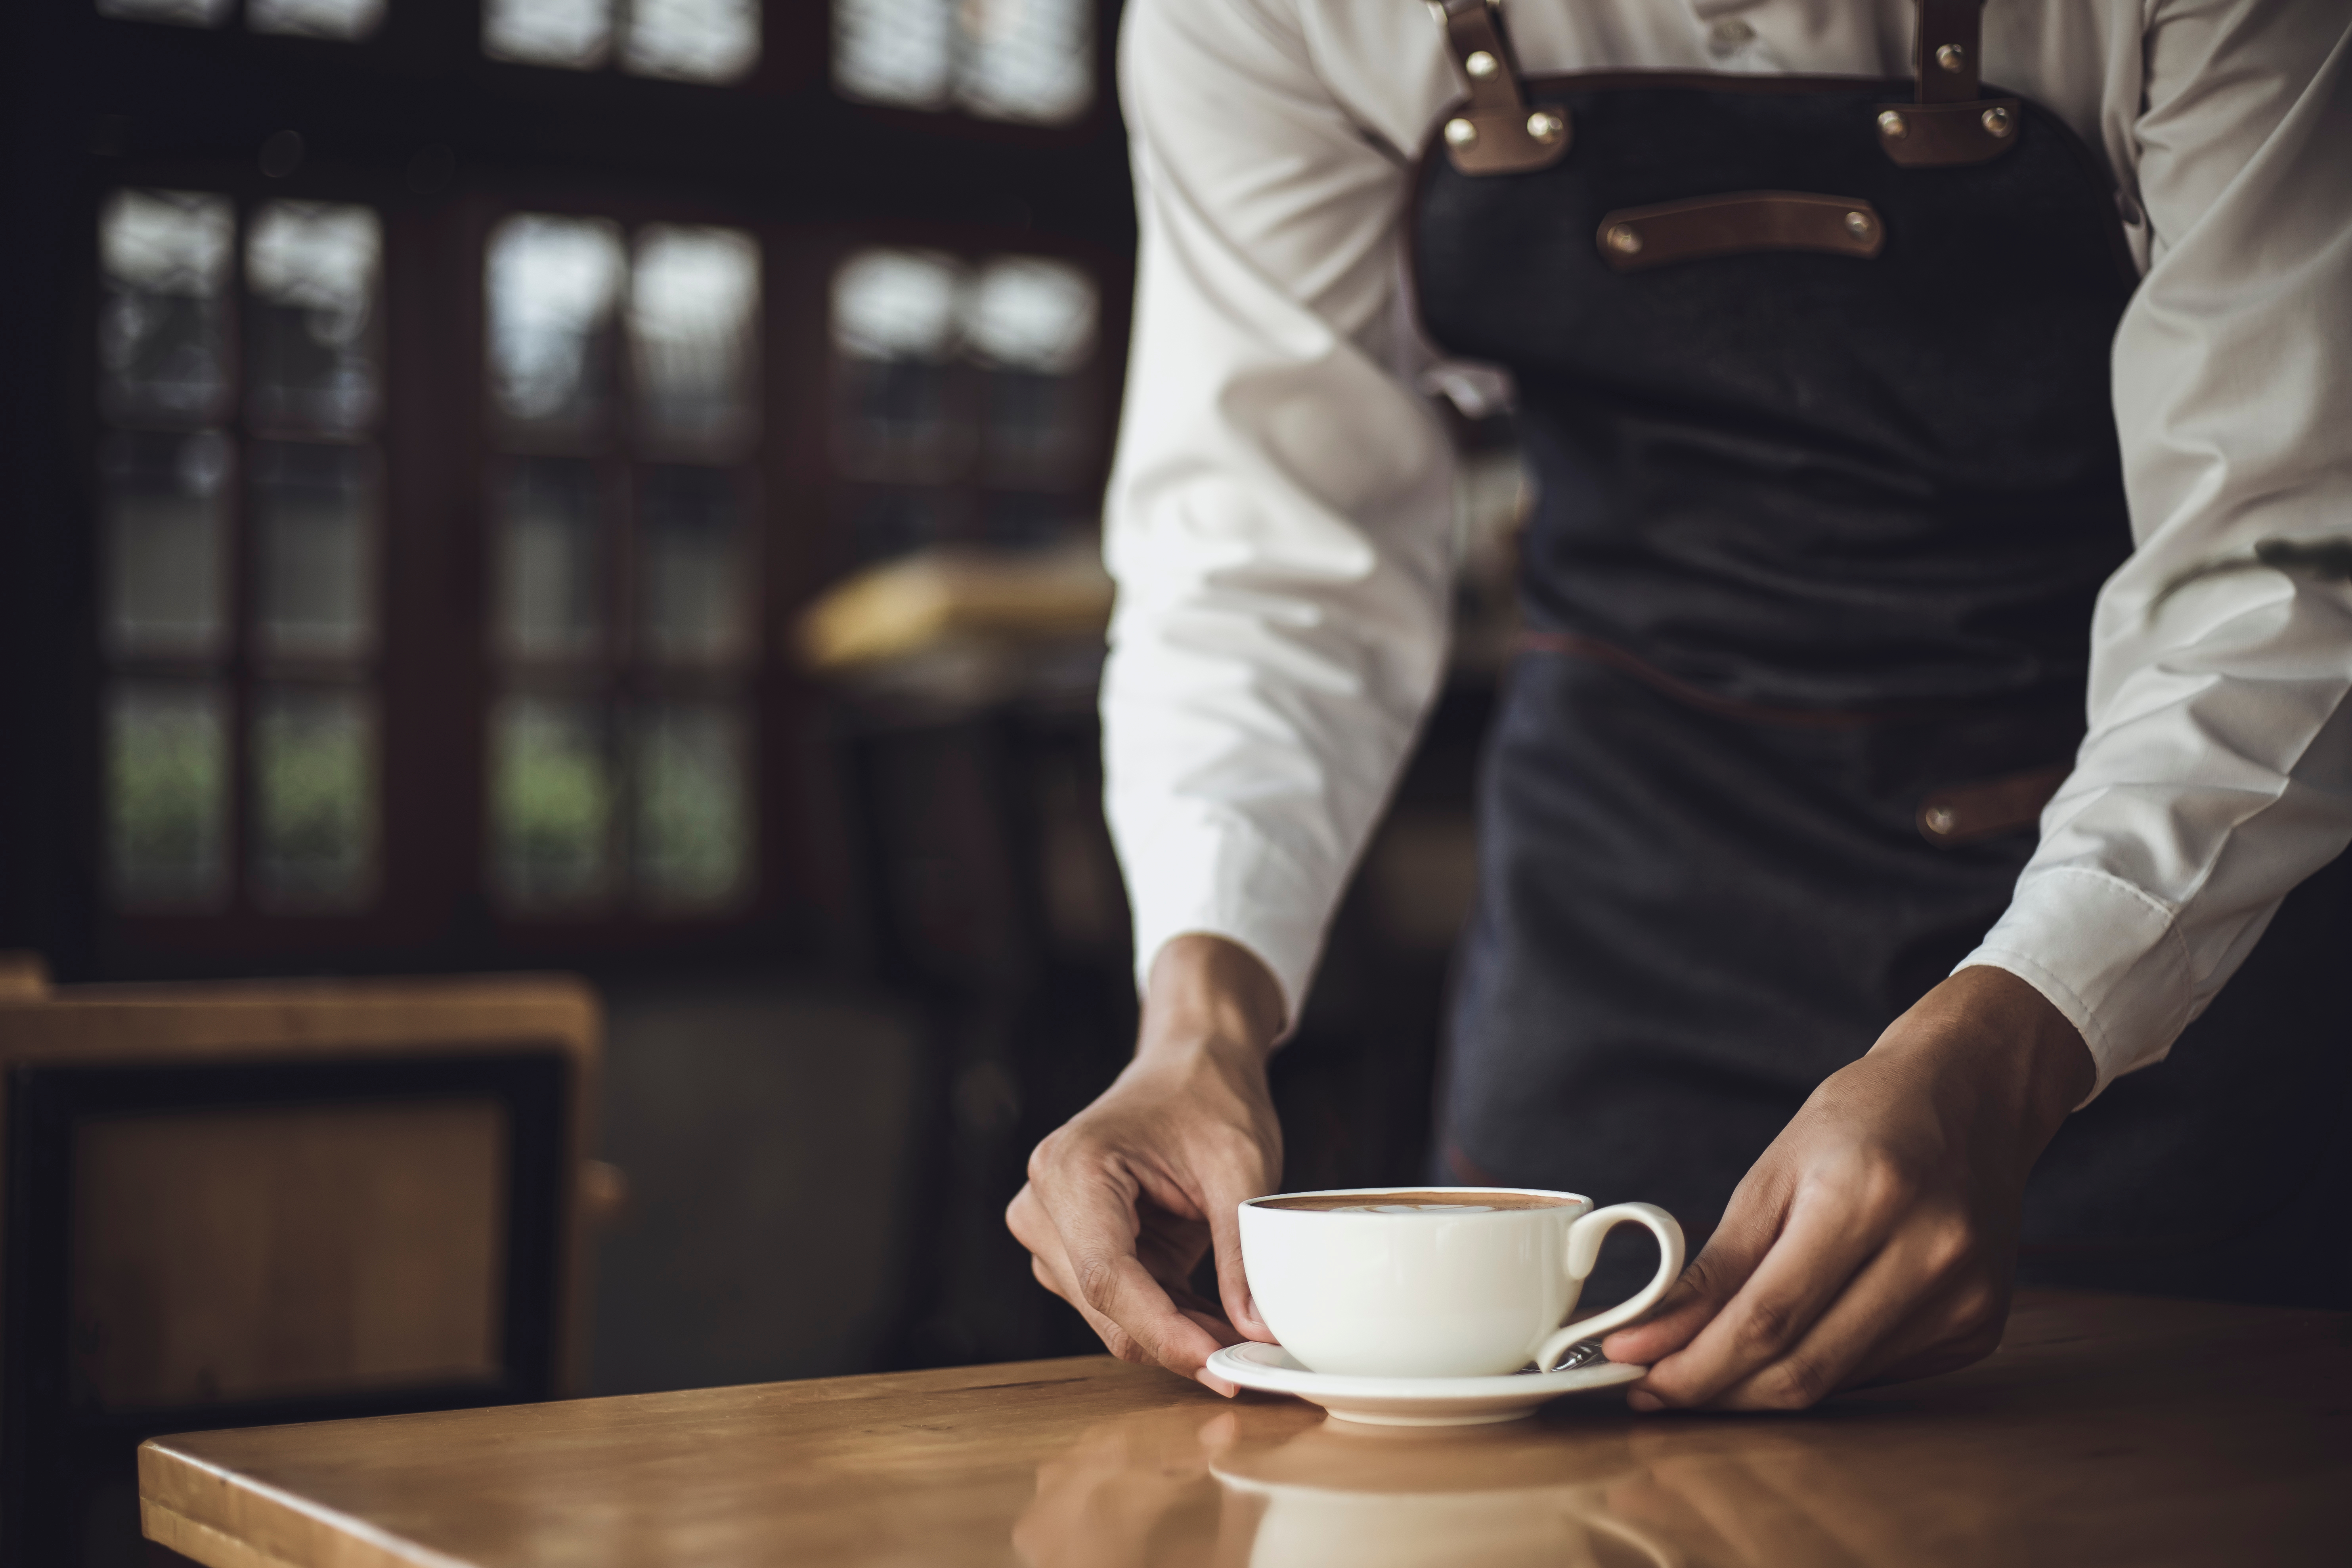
{"points": [[1279, 515]]}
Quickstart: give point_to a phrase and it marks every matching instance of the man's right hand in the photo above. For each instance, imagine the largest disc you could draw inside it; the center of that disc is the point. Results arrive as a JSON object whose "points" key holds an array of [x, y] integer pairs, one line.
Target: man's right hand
{"points": [[1125, 1196]]}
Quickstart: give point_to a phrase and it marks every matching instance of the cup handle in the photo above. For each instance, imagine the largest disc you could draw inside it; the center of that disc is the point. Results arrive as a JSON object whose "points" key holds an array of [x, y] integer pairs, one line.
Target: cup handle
{"points": [[1584, 1251]]}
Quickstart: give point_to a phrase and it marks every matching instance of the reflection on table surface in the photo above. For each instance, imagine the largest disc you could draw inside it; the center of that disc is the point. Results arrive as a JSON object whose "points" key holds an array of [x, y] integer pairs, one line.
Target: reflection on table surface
{"points": [[2107, 1430], [1168, 1487], [2073, 1445]]}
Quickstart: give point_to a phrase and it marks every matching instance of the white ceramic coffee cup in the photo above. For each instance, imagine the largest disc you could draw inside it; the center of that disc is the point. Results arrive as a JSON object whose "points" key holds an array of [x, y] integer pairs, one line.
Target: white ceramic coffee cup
{"points": [[1451, 1291]]}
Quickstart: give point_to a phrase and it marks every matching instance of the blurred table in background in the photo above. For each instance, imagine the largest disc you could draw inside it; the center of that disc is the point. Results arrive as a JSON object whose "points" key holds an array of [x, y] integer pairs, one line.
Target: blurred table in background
{"points": [[2106, 1430], [967, 681]]}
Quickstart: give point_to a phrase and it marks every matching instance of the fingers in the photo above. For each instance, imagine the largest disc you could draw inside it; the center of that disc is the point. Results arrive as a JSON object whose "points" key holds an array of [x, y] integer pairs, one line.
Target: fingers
{"points": [[1712, 1279], [1903, 1308], [1709, 1281], [1082, 1237], [1805, 1269]]}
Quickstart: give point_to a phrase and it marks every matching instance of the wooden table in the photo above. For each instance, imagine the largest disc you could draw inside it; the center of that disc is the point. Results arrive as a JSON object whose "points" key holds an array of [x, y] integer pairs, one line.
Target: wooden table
{"points": [[2107, 1430]]}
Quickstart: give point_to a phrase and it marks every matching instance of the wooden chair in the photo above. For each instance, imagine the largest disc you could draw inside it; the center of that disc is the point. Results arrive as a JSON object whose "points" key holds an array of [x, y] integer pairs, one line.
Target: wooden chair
{"points": [[238, 1204]]}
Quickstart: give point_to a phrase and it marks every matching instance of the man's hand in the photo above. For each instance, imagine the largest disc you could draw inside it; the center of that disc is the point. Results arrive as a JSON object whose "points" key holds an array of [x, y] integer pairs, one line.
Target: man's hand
{"points": [[1875, 1239], [1124, 1198]]}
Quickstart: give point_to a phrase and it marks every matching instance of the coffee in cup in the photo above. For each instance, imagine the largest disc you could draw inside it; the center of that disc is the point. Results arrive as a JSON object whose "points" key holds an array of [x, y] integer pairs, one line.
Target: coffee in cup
{"points": [[1436, 1281]]}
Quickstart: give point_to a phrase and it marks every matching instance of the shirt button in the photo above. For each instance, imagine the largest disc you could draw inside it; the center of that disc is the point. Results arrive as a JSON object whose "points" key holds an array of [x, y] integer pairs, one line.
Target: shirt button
{"points": [[1729, 37]]}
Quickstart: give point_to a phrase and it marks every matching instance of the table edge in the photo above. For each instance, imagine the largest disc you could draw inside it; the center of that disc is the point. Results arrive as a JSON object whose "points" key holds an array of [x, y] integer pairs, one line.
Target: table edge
{"points": [[354, 1541]]}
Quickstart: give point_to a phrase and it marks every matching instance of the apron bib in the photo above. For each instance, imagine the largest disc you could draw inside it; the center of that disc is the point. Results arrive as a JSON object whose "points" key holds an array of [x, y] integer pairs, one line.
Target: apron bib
{"points": [[1813, 377]]}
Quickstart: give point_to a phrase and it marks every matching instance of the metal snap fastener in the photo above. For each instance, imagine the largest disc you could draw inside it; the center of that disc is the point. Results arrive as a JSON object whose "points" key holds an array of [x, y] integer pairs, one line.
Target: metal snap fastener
{"points": [[1481, 65], [1461, 134], [1951, 56], [1894, 126], [1858, 225], [1624, 239], [1997, 120], [1544, 126]]}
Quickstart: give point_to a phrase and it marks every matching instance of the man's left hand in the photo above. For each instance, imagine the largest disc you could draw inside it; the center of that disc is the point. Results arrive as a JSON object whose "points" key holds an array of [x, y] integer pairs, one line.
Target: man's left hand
{"points": [[1875, 1239]]}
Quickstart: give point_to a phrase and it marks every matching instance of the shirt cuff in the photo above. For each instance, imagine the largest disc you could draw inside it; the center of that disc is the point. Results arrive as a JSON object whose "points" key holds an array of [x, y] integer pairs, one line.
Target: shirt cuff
{"points": [[2106, 954], [1234, 882]]}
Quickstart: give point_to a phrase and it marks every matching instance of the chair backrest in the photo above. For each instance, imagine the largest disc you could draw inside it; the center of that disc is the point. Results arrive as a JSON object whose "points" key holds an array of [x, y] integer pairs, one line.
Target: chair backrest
{"points": [[259, 1202]]}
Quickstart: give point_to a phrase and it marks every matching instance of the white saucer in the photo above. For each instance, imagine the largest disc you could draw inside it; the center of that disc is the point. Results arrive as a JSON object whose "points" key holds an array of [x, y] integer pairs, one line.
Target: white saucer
{"points": [[1412, 1400]]}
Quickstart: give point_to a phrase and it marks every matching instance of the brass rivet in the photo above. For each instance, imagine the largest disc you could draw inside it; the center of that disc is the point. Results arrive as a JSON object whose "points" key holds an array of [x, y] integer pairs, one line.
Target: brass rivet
{"points": [[1461, 134], [1858, 225], [1544, 126], [1893, 126], [1480, 65], [1997, 120], [1624, 239], [1951, 56]]}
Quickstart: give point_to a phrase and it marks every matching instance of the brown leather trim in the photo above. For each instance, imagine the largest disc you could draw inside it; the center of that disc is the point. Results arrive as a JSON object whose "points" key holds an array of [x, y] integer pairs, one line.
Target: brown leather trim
{"points": [[1579, 646], [1943, 50], [1940, 135], [1497, 132], [1964, 813], [1634, 240], [1550, 88], [1474, 27]]}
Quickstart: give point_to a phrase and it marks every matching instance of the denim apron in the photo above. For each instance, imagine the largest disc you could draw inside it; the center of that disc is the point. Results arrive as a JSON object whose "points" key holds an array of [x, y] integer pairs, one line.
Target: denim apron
{"points": [[1813, 377]]}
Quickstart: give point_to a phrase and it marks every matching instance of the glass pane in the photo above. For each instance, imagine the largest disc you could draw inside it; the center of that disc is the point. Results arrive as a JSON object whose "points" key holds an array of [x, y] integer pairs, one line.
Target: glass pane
{"points": [[182, 13], [313, 511], [1026, 59], [693, 309], [314, 809], [312, 269], [898, 304], [315, 19], [896, 322], [554, 286], [1028, 313], [692, 832], [693, 590], [898, 52], [575, 34], [692, 41], [551, 802], [1031, 323], [167, 508], [552, 565], [1034, 425], [161, 328], [167, 794]]}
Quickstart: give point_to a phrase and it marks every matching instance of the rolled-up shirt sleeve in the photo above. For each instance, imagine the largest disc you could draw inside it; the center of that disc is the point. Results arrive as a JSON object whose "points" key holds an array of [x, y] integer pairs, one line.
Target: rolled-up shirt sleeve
{"points": [[2217, 771], [1277, 518]]}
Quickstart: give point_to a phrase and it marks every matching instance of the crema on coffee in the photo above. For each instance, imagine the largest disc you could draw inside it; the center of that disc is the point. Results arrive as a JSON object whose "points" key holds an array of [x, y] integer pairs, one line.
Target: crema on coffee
{"points": [[1413, 1202]]}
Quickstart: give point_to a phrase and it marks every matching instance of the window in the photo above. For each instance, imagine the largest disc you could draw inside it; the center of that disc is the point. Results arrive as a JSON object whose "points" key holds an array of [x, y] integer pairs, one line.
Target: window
{"points": [[1029, 60], [240, 536], [453, 488], [962, 411], [686, 40], [624, 392], [344, 19]]}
